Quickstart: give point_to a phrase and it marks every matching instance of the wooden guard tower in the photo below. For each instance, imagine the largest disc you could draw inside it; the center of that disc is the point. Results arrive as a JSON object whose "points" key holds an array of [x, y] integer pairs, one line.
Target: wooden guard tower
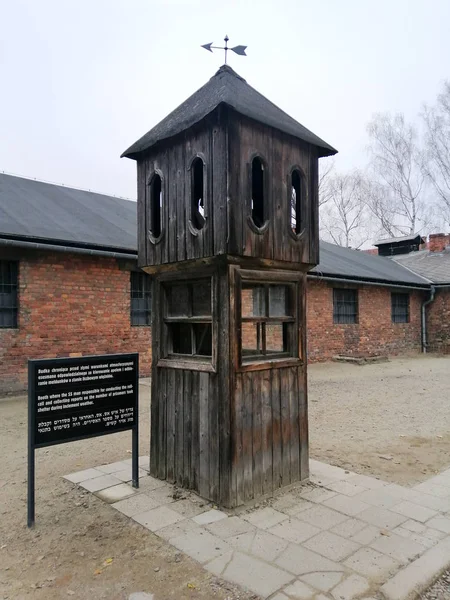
{"points": [[228, 227]]}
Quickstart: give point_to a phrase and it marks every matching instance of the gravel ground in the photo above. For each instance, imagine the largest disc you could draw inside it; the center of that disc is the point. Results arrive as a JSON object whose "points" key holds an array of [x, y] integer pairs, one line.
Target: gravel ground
{"points": [[440, 590], [397, 410], [390, 420]]}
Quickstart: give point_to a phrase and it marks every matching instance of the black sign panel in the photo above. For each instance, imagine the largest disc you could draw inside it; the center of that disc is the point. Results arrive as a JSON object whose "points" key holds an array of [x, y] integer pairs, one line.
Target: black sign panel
{"points": [[74, 398]]}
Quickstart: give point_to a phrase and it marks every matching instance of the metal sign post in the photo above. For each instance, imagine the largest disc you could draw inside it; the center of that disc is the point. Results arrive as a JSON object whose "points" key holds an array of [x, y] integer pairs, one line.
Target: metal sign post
{"points": [[72, 399]]}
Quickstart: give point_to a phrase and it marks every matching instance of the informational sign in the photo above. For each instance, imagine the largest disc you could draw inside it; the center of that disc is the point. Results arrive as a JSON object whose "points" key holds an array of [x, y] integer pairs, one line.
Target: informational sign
{"points": [[76, 398]]}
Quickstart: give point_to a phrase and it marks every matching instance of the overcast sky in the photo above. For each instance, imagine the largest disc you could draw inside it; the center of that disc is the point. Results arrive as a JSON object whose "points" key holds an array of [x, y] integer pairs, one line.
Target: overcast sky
{"points": [[81, 80]]}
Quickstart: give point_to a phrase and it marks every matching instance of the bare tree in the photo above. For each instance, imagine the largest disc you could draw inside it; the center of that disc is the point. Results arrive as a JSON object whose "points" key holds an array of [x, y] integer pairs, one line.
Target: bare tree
{"points": [[437, 147], [326, 169], [344, 218], [396, 196]]}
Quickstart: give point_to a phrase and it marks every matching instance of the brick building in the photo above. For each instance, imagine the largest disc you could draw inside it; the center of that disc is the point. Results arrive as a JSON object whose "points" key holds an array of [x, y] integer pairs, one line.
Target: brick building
{"points": [[69, 285]]}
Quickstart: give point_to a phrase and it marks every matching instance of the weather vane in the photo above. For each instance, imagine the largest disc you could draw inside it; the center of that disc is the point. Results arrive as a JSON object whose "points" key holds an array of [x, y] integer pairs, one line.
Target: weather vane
{"points": [[237, 49]]}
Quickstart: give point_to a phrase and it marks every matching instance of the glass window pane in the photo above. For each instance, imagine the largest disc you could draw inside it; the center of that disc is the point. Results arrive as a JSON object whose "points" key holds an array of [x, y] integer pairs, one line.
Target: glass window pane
{"points": [[181, 338], [253, 303], [203, 339], [201, 298], [252, 339], [278, 301], [178, 300], [275, 338]]}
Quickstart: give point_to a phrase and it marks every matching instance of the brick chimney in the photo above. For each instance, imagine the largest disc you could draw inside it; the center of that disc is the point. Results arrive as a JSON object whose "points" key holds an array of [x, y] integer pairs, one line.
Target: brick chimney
{"points": [[438, 242]]}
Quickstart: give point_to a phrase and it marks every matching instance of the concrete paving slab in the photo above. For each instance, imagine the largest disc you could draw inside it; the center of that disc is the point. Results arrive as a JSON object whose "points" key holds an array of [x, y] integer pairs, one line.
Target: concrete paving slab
{"points": [[372, 564], [352, 587], [139, 503], [417, 537], [233, 526], [300, 591], [255, 575], [200, 545], [347, 488], [414, 511], [210, 516], [148, 484], [187, 508], [317, 495], [264, 518], [433, 489], [321, 517], [331, 546], [366, 535], [418, 575], [433, 502], [140, 596], [162, 494], [286, 501], [83, 475], [349, 528], [440, 523], [322, 581], [218, 565], [157, 518], [294, 530], [243, 541], [126, 474], [346, 505], [380, 517], [280, 596], [113, 467], [299, 561], [378, 498], [300, 505], [370, 483], [116, 493], [442, 480], [179, 528], [267, 546], [99, 483], [397, 547]]}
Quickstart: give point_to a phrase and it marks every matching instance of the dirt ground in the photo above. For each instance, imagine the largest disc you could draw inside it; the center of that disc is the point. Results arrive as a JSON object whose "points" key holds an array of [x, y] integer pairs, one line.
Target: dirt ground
{"points": [[391, 420]]}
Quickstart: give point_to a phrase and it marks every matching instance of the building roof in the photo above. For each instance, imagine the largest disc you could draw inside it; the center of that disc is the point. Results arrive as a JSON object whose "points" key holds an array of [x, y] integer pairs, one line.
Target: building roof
{"points": [[226, 87], [38, 211], [434, 266], [339, 262], [400, 240], [32, 210]]}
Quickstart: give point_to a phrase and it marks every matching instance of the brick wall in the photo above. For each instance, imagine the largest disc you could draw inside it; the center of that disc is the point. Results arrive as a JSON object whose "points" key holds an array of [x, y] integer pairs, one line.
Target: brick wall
{"points": [[438, 323], [374, 334], [69, 305]]}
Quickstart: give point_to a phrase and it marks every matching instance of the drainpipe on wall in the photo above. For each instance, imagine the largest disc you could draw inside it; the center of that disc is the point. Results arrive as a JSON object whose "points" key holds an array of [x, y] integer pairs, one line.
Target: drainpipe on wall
{"points": [[424, 319]]}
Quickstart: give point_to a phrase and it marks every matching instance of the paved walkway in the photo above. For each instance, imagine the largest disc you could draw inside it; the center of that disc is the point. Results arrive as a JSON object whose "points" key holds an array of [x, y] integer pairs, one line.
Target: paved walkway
{"points": [[339, 537]]}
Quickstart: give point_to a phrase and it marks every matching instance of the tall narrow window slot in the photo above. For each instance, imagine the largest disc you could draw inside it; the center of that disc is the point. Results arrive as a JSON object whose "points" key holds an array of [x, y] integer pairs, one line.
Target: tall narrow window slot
{"points": [[296, 202], [156, 206], [198, 194], [258, 215]]}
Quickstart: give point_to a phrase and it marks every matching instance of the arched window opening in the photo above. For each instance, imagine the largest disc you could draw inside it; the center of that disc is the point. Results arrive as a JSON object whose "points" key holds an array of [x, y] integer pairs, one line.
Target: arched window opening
{"points": [[296, 202], [156, 206], [198, 194], [258, 215]]}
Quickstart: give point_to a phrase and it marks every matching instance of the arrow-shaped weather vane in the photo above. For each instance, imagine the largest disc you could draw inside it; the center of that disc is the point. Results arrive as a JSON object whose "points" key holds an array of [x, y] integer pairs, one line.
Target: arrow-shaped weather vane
{"points": [[237, 49]]}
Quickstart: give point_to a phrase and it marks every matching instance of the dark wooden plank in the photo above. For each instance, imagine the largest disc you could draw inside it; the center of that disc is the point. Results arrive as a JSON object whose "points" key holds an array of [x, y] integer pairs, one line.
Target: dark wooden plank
{"points": [[165, 169], [237, 441], [247, 436], [285, 383], [204, 434], [172, 204], [187, 433], [303, 421], [170, 432], [180, 158], [257, 434], [276, 428], [195, 441], [294, 424], [157, 451], [225, 379], [218, 197], [213, 409], [266, 405], [142, 214], [179, 427], [162, 418]]}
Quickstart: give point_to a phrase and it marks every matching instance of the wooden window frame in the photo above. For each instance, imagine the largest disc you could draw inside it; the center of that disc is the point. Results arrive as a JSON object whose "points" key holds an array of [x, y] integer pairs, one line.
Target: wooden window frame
{"points": [[187, 361], [13, 287], [337, 316], [149, 206], [266, 200], [303, 202], [291, 357], [395, 314]]}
